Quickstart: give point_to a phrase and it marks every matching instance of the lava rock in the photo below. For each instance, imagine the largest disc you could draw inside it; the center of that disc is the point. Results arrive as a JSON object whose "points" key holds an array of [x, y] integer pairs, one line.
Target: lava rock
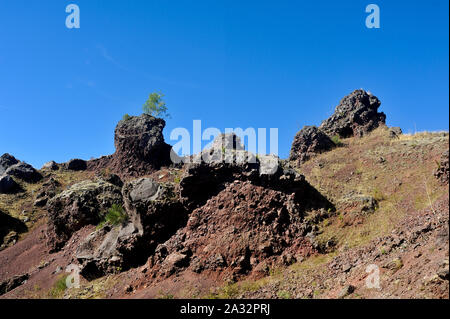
{"points": [[52, 165], [12, 283], [139, 143], [356, 115], [395, 132], [80, 205], [442, 172], [8, 185], [76, 165], [6, 161], [308, 142], [25, 172]]}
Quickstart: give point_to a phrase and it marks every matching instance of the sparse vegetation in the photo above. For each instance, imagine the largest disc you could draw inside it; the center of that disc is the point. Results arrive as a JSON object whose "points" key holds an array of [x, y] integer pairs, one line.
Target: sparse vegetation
{"points": [[116, 215], [155, 105], [58, 288], [126, 117], [337, 140]]}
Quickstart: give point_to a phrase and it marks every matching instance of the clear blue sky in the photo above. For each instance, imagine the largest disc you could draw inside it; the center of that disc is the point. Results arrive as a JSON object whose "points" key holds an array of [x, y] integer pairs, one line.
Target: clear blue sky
{"points": [[280, 64]]}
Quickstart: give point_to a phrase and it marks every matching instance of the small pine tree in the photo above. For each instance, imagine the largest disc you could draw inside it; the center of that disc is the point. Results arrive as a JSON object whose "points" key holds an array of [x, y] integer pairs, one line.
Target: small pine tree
{"points": [[156, 106]]}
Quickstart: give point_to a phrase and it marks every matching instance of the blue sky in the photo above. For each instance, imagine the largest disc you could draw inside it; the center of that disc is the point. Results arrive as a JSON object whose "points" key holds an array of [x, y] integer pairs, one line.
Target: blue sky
{"points": [[282, 64]]}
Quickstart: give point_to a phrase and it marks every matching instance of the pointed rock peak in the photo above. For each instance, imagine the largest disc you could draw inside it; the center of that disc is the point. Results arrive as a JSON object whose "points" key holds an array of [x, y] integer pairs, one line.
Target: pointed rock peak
{"points": [[356, 115]]}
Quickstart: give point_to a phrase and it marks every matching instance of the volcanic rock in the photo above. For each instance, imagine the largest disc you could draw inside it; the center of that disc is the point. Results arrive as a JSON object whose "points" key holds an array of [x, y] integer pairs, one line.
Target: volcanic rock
{"points": [[76, 165], [242, 223], [442, 172], [308, 142], [9, 224], [80, 205], [52, 165], [8, 185], [13, 283], [356, 115], [47, 191], [395, 132], [25, 172], [140, 144], [154, 214], [6, 161]]}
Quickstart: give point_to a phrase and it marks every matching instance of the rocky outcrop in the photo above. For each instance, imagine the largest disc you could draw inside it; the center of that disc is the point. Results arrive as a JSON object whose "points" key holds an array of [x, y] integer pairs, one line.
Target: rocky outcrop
{"points": [[140, 148], [80, 205], [356, 115], [244, 214], [52, 165], [8, 225], [25, 172], [442, 171], [8, 185], [308, 142], [13, 283], [6, 161], [154, 214], [76, 164], [237, 231], [48, 190], [395, 132]]}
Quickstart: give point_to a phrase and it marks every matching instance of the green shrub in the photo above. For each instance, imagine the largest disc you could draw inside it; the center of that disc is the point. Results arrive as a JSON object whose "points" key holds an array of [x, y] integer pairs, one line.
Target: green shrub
{"points": [[336, 140], [155, 105], [58, 288], [116, 215], [126, 117]]}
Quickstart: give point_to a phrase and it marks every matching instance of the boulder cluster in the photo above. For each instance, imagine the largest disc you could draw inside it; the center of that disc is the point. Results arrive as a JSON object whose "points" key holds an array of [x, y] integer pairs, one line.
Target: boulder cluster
{"points": [[230, 210], [356, 115], [227, 210], [11, 168]]}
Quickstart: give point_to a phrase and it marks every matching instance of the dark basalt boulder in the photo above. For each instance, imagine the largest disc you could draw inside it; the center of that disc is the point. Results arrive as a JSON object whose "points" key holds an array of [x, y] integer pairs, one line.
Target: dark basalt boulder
{"points": [[356, 115], [308, 142], [139, 143], [25, 172], [6, 161], [76, 165], [80, 205], [8, 185]]}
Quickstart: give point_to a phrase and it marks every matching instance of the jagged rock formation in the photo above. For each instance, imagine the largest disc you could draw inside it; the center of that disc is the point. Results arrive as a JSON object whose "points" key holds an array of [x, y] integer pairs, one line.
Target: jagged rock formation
{"points": [[48, 190], [243, 228], [308, 142], [356, 115], [25, 172], [154, 214], [82, 204], [242, 214], [275, 198], [52, 165], [442, 172], [140, 147], [6, 161]]}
